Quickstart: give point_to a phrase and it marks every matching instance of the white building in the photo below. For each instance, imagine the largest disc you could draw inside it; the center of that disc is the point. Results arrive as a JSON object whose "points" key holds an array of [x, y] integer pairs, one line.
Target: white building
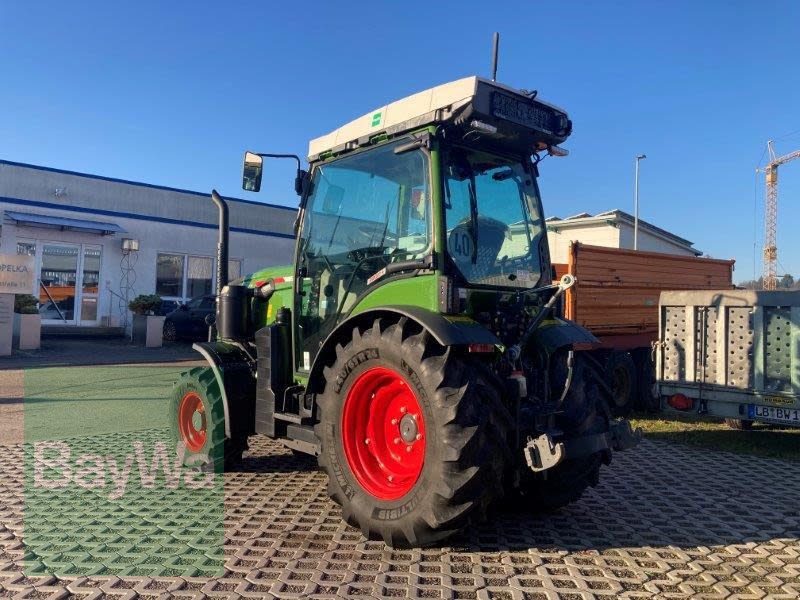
{"points": [[75, 224], [612, 229]]}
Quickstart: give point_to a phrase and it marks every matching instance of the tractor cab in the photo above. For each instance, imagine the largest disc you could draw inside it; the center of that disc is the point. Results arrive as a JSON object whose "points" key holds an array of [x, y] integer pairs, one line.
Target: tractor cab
{"points": [[423, 201]]}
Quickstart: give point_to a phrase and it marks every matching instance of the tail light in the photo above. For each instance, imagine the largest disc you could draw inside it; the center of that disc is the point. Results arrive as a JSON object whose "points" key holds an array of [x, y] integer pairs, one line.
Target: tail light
{"points": [[481, 348], [680, 402]]}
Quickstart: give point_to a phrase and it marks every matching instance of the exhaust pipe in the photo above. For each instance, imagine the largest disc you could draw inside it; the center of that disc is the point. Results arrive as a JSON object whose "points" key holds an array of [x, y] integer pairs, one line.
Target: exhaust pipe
{"points": [[233, 307], [222, 242]]}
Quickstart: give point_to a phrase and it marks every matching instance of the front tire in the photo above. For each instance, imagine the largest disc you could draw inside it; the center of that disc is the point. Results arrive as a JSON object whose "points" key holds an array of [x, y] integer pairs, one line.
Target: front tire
{"points": [[170, 332], [411, 435], [197, 423]]}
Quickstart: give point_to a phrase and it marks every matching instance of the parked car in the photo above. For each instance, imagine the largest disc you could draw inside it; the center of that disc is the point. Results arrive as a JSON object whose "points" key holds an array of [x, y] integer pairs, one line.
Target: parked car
{"points": [[188, 321], [167, 306]]}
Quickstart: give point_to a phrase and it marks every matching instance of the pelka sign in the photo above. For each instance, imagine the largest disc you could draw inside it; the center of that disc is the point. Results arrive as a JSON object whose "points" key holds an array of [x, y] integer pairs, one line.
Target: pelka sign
{"points": [[16, 274]]}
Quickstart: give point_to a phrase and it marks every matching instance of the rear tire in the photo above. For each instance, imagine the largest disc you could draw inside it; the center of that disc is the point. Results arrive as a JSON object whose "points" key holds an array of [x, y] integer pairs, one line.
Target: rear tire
{"points": [[420, 475], [584, 412], [739, 424], [647, 399], [621, 378], [197, 423]]}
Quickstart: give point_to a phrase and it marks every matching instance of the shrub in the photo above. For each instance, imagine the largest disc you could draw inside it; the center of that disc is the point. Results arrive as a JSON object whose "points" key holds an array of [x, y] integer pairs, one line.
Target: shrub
{"points": [[145, 304], [26, 305]]}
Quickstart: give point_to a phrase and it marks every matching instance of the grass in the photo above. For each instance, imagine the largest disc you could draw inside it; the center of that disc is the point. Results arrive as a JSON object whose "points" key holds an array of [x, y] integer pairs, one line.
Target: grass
{"points": [[772, 441], [64, 402]]}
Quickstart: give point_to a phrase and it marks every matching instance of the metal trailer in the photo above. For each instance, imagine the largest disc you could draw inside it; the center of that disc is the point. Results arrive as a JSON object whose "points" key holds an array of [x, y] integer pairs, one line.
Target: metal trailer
{"points": [[733, 354]]}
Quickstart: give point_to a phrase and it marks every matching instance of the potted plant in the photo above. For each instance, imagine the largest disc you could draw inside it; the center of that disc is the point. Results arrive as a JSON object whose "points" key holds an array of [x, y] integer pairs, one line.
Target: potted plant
{"points": [[27, 322], [147, 325]]}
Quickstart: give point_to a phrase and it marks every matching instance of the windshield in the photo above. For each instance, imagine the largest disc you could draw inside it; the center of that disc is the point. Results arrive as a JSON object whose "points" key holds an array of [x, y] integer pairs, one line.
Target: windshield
{"points": [[494, 221]]}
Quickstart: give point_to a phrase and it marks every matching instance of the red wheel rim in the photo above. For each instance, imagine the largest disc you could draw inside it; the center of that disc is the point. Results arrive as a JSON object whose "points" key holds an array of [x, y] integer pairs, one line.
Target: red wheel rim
{"points": [[192, 421], [383, 433]]}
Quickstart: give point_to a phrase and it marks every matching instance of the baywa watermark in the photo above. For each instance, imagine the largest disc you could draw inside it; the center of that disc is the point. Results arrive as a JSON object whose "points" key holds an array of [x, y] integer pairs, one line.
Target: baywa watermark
{"points": [[56, 466]]}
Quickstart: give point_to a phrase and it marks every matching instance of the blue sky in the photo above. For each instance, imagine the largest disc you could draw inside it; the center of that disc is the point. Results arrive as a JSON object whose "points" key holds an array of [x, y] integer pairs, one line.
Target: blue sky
{"points": [[172, 93]]}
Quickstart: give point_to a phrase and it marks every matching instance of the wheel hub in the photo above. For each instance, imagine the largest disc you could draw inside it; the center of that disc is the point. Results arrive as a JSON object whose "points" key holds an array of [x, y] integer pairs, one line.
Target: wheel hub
{"points": [[408, 429], [192, 421]]}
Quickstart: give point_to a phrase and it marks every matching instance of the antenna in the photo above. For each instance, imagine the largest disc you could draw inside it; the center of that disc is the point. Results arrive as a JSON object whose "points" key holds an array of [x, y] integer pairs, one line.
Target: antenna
{"points": [[495, 48]]}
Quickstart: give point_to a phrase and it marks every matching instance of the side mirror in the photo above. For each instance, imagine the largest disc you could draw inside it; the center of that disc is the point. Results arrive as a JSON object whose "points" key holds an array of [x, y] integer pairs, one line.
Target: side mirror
{"points": [[251, 172]]}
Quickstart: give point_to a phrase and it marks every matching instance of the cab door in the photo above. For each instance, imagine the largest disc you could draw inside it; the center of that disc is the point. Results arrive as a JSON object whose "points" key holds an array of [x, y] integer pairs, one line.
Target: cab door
{"points": [[365, 211]]}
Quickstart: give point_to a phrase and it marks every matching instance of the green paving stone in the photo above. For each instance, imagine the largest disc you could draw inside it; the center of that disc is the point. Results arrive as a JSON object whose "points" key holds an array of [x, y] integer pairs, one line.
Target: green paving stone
{"points": [[84, 530]]}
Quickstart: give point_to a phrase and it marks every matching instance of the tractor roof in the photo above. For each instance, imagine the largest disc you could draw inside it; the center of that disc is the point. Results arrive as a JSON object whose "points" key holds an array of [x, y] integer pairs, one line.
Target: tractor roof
{"points": [[472, 96]]}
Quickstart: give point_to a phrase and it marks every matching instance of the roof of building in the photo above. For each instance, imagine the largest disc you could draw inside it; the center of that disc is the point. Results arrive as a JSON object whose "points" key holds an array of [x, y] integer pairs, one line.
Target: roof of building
{"points": [[616, 216], [136, 183], [33, 186], [39, 220]]}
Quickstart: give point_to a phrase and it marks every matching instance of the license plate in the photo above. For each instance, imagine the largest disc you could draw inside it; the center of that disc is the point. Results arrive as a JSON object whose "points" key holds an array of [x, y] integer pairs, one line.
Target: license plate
{"points": [[522, 113], [774, 413]]}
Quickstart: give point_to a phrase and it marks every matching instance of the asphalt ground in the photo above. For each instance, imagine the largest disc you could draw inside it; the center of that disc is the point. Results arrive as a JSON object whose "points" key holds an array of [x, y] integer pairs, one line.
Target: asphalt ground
{"points": [[666, 521], [70, 352]]}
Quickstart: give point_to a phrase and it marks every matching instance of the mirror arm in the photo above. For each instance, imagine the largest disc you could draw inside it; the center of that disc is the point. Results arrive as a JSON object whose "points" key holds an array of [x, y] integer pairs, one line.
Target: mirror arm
{"points": [[300, 180], [294, 156]]}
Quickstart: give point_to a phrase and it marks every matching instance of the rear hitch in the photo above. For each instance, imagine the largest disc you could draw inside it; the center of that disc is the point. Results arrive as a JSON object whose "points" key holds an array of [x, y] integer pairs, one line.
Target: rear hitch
{"points": [[541, 453]]}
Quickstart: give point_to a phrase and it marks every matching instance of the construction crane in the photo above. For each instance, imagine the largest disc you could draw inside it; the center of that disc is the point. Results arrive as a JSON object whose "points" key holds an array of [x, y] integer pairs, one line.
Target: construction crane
{"points": [[771, 215]]}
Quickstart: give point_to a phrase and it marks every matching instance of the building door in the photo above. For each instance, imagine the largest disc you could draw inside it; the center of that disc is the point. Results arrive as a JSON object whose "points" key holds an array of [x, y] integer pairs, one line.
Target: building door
{"points": [[69, 281], [58, 277], [90, 270]]}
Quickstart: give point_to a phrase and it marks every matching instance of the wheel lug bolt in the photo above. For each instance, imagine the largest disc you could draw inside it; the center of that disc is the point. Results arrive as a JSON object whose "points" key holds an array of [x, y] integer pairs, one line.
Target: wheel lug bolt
{"points": [[418, 437], [391, 478], [394, 421], [408, 448], [403, 409], [396, 440], [366, 441]]}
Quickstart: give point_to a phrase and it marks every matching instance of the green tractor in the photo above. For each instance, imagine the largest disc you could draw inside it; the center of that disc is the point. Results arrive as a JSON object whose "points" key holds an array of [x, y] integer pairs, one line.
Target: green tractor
{"points": [[414, 346]]}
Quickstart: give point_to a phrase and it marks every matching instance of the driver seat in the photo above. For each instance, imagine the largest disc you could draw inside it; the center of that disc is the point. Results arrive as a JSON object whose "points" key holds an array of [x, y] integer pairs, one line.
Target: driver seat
{"points": [[491, 235]]}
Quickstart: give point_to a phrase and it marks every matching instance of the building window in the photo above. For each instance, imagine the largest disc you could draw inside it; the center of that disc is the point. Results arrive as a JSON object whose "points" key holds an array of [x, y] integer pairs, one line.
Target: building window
{"points": [[199, 276], [234, 269], [183, 277], [26, 248], [169, 275]]}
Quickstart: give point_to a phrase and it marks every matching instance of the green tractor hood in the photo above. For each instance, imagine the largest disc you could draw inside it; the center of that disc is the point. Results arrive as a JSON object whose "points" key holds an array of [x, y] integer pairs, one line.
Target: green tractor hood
{"points": [[282, 277]]}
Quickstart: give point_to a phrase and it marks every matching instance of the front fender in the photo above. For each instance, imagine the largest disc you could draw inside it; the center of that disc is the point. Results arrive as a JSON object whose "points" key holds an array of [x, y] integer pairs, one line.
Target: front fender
{"points": [[447, 330], [235, 375], [554, 334]]}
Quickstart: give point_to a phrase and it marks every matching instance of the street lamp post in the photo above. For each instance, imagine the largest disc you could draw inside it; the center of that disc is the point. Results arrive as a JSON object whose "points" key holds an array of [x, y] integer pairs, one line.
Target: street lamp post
{"points": [[636, 204]]}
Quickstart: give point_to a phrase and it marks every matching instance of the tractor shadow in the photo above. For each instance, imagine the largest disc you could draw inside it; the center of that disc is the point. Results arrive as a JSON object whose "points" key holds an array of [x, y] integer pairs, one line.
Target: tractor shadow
{"points": [[278, 460], [659, 494]]}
